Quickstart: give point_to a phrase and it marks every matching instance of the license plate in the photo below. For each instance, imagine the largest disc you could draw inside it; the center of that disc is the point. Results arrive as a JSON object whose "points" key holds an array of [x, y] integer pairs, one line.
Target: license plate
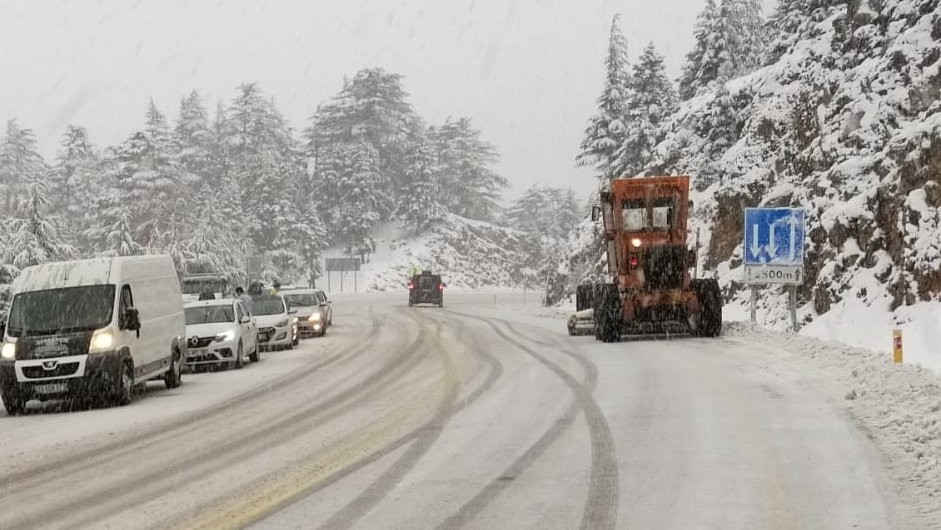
{"points": [[196, 352], [51, 388]]}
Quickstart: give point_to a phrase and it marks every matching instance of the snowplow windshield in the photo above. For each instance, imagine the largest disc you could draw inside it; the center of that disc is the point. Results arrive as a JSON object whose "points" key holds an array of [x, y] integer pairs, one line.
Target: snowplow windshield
{"points": [[61, 310], [634, 215]]}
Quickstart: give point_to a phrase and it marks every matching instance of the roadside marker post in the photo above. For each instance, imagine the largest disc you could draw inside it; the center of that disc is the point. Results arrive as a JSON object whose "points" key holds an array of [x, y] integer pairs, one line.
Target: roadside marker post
{"points": [[897, 346]]}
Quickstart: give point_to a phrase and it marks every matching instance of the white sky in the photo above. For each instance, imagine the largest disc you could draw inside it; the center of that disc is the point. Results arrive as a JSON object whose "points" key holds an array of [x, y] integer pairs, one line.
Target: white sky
{"points": [[526, 71]]}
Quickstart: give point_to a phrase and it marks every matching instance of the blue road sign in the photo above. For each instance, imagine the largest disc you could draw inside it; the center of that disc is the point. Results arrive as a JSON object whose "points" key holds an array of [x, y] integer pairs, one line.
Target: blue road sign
{"points": [[774, 236]]}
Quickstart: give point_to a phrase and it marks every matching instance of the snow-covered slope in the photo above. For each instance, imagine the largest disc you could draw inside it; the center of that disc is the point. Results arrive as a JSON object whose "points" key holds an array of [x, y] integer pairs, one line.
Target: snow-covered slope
{"points": [[468, 254], [846, 124]]}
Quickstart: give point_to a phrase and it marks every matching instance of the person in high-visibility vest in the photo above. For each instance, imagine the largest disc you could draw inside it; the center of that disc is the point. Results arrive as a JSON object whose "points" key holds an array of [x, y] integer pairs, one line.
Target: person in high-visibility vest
{"points": [[276, 288]]}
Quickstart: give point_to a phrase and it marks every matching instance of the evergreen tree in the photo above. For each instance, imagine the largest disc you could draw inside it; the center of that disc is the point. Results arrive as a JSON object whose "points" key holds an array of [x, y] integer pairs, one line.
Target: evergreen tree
{"points": [[371, 108], [35, 236], [652, 100], [77, 183], [193, 136], [728, 43], [20, 163], [605, 132], [469, 186], [418, 202], [358, 205]]}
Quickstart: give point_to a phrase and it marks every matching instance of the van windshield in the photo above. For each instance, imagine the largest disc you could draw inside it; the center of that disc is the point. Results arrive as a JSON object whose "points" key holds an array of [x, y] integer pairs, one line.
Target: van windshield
{"points": [[62, 310]]}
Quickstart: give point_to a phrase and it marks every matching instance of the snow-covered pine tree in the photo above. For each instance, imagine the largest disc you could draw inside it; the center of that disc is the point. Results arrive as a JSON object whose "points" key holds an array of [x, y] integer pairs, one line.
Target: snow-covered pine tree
{"points": [[469, 186], [372, 107], [77, 182], [750, 35], [729, 42], [20, 164], [34, 233], [418, 201], [605, 132], [651, 101], [193, 135], [358, 201]]}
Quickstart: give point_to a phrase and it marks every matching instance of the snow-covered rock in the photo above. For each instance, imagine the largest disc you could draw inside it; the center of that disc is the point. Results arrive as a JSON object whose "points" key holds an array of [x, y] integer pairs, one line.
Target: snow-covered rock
{"points": [[846, 124]]}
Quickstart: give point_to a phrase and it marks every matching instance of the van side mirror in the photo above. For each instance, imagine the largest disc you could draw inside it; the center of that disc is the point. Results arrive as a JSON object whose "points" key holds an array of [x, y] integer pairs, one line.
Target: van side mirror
{"points": [[246, 320], [131, 319], [595, 213], [292, 311]]}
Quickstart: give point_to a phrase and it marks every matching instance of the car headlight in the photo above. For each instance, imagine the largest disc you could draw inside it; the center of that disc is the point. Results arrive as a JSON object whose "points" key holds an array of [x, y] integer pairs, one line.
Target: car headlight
{"points": [[314, 317], [282, 323], [9, 351], [225, 335], [101, 340]]}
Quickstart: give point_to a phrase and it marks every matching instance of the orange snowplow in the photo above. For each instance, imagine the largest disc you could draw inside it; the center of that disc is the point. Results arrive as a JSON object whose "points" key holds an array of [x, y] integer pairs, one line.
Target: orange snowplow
{"points": [[651, 289]]}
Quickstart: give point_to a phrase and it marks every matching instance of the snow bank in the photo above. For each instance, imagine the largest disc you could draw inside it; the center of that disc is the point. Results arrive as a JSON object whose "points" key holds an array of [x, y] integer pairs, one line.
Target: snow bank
{"points": [[899, 406]]}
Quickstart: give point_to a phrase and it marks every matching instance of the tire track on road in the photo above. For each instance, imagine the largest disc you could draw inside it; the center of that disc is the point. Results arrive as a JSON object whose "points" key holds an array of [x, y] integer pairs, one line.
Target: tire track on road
{"points": [[381, 487], [601, 506], [165, 430], [202, 463]]}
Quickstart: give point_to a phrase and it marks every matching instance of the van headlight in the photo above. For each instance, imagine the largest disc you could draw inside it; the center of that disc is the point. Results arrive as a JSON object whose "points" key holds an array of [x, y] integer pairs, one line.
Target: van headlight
{"points": [[282, 323], [101, 340], [314, 317], [225, 335], [8, 353]]}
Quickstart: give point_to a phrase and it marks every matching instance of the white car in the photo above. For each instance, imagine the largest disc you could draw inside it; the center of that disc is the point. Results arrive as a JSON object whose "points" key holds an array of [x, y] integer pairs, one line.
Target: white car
{"points": [[220, 333], [277, 322], [314, 314]]}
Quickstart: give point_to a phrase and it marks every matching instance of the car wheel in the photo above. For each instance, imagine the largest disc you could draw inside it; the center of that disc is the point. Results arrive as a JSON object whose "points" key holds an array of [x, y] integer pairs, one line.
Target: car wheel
{"points": [[238, 357], [174, 378], [255, 356], [124, 386]]}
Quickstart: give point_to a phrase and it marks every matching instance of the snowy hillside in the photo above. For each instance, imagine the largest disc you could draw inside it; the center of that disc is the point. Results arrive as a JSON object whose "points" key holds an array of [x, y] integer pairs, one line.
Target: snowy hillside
{"points": [[469, 254], [847, 124]]}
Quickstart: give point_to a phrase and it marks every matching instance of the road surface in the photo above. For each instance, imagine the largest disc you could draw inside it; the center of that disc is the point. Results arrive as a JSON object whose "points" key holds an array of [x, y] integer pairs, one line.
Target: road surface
{"points": [[471, 416]]}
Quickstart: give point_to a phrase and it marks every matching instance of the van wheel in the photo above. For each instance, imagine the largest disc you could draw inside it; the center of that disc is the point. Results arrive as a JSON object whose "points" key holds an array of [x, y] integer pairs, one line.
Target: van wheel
{"points": [[124, 386], [173, 378], [13, 403], [238, 357]]}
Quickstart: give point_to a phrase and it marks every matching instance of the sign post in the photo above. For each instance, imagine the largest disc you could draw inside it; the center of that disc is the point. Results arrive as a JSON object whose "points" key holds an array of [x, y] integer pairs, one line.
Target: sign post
{"points": [[897, 346], [773, 248], [343, 265]]}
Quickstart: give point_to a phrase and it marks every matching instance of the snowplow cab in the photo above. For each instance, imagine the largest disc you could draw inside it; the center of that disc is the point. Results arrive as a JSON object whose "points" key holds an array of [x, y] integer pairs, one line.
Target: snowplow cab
{"points": [[651, 289]]}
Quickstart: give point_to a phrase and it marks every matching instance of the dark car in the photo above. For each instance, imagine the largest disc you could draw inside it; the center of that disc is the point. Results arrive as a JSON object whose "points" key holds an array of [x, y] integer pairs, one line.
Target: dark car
{"points": [[426, 288]]}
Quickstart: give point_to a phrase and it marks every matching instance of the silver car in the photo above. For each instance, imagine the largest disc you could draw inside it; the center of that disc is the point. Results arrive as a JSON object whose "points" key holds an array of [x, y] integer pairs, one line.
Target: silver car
{"points": [[314, 311]]}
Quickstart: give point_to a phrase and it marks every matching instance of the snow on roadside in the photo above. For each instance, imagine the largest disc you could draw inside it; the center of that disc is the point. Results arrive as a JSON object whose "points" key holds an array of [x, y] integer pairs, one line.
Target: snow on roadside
{"points": [[899, 406]]}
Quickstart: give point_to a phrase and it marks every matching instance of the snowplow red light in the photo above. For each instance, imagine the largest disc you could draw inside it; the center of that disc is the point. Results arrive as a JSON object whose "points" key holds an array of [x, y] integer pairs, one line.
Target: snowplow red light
{"points": [[633, 262], [411, 286], [441, 287]]}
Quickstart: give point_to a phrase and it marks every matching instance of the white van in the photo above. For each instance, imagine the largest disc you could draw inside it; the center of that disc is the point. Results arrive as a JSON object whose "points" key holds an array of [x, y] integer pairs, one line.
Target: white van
{"points": [[92, 329]]}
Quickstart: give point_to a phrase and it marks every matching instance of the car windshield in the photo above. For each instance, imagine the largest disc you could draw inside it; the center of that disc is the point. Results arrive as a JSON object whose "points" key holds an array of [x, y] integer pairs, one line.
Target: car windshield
{"points": [[209, 314], [198, 285], [301, 299], [61, 310], [267, 306]]}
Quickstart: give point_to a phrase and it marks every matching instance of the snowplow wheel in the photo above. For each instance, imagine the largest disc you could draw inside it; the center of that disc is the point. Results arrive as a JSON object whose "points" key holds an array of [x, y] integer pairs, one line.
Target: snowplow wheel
{"points": [[710, 302], [607, 305]]}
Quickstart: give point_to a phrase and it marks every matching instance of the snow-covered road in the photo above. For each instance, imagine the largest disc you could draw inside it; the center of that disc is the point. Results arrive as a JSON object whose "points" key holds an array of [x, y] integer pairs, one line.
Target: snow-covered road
{"points": [[472, 416]]}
